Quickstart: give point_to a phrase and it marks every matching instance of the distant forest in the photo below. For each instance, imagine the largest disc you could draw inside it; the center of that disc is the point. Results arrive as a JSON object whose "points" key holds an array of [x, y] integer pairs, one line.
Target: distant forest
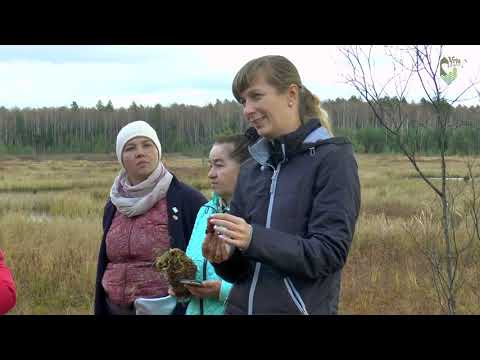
{"points": [[192, 129]]}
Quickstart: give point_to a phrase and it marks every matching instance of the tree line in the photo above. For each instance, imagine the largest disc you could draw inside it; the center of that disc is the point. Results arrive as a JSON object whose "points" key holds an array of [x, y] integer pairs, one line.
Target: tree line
{"points": [[192, 129]]}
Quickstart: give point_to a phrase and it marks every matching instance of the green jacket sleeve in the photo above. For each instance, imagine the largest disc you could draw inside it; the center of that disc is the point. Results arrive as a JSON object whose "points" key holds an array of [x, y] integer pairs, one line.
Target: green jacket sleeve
{"points": [[225, 288]]}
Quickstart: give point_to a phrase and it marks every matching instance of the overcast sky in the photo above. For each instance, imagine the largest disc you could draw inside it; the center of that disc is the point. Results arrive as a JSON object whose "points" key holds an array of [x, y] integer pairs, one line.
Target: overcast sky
{"points": [[38, 76]]}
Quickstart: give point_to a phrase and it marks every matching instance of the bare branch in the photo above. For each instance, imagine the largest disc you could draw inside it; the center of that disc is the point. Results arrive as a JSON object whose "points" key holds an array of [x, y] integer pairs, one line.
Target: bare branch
{"points": [[472, 85], [446, 258]]}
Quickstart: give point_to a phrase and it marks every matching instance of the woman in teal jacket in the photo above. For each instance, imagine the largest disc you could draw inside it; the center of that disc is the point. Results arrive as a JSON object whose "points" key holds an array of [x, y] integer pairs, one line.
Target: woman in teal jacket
{"points": [[226, 156]]}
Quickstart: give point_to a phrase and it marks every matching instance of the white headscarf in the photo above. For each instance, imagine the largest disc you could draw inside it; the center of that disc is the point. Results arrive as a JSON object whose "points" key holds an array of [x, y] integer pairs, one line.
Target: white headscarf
{"points": [[133, 200], [135, 129]]}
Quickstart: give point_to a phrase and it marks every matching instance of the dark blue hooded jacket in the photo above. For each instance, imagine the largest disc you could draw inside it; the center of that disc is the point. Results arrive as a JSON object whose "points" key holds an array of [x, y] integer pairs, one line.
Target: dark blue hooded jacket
{"points": [[301, 195]]}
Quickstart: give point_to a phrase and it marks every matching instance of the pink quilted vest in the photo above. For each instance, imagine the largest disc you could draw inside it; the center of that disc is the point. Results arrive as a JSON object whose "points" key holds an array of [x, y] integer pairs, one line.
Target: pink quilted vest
{"points": [[131, 247]]}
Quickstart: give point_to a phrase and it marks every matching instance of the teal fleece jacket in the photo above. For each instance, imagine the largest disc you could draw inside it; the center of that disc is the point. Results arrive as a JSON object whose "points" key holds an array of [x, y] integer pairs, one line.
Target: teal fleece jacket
{"points": [[211, 306]]}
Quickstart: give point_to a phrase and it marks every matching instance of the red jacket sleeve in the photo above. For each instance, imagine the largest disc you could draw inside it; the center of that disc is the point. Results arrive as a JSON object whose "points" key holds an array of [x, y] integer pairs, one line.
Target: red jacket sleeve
{"points": [[8, 291]]}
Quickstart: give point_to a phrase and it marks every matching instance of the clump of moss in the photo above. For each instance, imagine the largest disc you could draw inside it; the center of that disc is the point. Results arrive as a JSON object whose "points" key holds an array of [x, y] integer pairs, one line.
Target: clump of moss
{"points": [[176, 265]]}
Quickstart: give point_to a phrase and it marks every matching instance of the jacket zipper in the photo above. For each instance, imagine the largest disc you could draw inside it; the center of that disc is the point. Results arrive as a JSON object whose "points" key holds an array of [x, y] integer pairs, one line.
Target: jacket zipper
{"points": [[295, 295], [204, 270], [292, 291], [256, 274], [273, 186], [204, 278]]}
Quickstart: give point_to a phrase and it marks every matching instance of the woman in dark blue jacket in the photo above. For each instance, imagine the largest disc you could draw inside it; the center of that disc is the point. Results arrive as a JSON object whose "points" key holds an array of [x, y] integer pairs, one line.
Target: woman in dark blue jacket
{"points": [[294, 210]]}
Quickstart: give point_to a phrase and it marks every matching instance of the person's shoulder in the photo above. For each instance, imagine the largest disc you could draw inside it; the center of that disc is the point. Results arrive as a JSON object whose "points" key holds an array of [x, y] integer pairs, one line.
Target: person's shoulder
{"points": [[332, 147], [108, 205], [179, 188], [334, 156], [211, 204], [206, 210], [248, 164], [108, 212]]}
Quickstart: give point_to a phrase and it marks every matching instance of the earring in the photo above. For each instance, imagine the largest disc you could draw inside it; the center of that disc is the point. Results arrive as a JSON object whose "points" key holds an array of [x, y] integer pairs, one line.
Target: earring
{"points": [[290, 104]]}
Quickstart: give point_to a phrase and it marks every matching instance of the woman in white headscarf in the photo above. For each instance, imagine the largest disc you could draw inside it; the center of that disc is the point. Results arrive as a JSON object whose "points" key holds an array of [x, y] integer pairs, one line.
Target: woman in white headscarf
{"points": [[149, 211]]}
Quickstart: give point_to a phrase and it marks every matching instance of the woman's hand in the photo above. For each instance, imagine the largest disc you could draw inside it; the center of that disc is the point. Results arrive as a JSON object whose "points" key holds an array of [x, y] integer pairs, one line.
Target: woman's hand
{"points": [[171, 292], [232, 230], [209, 289], [215, 249]]}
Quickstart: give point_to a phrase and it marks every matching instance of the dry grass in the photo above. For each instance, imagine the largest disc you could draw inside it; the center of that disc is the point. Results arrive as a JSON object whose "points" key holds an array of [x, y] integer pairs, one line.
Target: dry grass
{"points": [[50, 228], [53, 260]]}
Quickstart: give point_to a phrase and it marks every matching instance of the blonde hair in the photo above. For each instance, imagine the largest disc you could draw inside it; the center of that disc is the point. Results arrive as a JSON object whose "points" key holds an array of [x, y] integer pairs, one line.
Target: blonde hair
{"points": [[281, 73]]}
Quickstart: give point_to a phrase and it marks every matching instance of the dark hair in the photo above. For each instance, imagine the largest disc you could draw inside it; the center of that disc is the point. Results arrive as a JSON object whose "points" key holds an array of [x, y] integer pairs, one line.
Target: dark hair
{"points": [[240, 144], [281, 73]]}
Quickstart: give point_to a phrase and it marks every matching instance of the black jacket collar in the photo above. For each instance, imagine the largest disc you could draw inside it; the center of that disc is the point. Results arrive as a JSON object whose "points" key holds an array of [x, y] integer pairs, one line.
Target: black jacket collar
{"points": [[293, 141], [272, 152]]}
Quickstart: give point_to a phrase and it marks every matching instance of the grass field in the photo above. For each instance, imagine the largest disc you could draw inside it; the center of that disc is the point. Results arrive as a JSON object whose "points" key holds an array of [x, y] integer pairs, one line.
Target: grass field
{"points": [[50, 228]]}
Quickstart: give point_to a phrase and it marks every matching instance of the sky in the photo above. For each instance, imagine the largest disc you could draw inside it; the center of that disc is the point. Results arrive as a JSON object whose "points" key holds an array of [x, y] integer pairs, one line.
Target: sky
{"points": [[56, 75]]}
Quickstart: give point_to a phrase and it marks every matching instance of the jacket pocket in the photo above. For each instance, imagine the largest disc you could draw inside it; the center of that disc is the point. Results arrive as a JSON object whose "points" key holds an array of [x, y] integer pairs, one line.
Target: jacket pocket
{"points": [[237, 300], [295, 296]]}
